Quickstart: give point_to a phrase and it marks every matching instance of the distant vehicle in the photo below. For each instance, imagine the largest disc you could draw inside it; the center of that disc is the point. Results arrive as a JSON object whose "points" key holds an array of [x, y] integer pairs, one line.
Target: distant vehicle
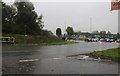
{"points": [[94, 39], [88, 40], [7, 40], [102, 40], [118, 40], [107, 40], [110, 40]]}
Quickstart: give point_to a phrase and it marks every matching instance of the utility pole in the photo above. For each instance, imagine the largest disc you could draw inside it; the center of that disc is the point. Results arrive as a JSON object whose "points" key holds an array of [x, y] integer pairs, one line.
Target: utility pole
{"points": [[65, 26], [25, 33], [90, 24], [25, 30]]}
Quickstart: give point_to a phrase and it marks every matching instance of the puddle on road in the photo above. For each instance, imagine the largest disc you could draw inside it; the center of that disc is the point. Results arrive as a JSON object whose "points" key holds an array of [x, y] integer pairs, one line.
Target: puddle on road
{"points": [[85, 57], [77, 57]]}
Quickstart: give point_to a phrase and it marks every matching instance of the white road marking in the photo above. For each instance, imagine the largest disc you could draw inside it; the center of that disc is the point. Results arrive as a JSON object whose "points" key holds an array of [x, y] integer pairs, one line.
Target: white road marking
{"points": [[30, 60], [56, 58]]}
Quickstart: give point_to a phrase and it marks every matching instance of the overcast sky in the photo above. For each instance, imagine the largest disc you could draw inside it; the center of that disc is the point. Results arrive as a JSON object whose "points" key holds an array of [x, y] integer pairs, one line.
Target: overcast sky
{"points": [[77, 14]]}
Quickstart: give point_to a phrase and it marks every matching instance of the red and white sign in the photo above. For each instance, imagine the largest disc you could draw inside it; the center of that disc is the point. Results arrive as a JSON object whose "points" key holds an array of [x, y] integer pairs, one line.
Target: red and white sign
{"points": [[115, 4]]}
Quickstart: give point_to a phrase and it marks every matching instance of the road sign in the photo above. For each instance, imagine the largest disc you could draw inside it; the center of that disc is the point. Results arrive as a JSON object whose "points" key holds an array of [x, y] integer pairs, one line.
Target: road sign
{"points": [[115, 4]]}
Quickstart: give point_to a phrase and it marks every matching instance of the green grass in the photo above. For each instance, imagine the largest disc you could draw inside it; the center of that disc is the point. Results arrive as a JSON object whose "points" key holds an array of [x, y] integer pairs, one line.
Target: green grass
{"points": [[48, 43], [33, 40], [59, 43], [113, 54]]}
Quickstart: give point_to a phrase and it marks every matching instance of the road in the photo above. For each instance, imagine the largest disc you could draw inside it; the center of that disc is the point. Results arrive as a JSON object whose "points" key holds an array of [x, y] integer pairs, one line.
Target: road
{"points": [[51, 59]]}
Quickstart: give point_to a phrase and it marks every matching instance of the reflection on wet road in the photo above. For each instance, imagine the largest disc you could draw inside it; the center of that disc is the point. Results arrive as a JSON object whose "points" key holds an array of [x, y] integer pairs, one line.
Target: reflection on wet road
{"points": [[52, 59]]}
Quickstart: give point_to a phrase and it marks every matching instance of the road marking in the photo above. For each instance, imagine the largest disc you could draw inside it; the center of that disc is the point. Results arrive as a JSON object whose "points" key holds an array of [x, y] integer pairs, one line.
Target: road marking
{"points": [[30, 60], [56, 58]]}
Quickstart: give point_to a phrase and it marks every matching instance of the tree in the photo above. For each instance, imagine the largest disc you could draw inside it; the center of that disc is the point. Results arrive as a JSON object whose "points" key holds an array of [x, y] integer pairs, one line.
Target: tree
{"points": [[95, 32], [75, 34], [69, 31], [8, 15], [40, 22], [58, 32], [27, 18], [109, 32], [103, 33], [118, 35], [21, 18]]}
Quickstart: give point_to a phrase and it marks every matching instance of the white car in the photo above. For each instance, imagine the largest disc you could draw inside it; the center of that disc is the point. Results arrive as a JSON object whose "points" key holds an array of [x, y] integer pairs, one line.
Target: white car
{"points": [[95, 39]]}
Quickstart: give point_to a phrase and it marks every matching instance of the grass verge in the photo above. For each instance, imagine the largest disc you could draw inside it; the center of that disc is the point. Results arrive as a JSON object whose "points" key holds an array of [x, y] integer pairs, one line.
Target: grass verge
{"points": [[112, 54], [35, 40], [59, 43]]}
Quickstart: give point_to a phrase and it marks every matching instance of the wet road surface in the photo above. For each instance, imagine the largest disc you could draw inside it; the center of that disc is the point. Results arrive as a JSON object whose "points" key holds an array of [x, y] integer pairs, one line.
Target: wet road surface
{"points": [[52, 59]]}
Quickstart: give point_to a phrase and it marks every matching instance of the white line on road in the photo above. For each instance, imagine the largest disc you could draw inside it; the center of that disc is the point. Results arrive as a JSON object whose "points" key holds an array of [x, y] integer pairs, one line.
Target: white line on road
{"points": [[56, 58], [30, 60]]}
